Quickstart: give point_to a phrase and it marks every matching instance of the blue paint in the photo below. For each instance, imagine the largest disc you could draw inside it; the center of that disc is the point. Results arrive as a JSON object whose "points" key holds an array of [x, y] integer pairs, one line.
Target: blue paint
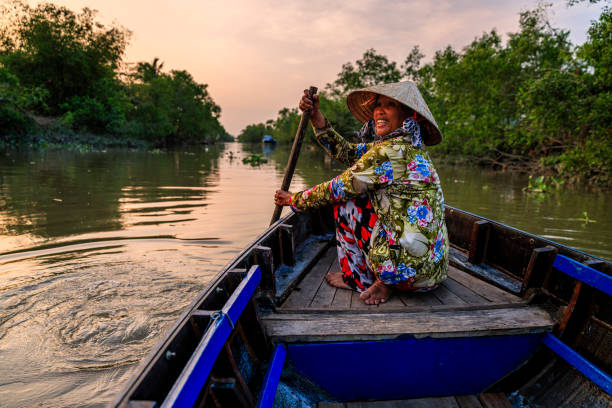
{"points": [[411, 368], [583, 365], [189, 384], [269, 139], [584, 273], [266, 399]]}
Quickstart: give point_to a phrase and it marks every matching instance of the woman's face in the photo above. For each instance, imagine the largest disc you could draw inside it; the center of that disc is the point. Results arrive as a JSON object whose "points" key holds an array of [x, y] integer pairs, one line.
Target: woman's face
{"points": [[388, 115]]}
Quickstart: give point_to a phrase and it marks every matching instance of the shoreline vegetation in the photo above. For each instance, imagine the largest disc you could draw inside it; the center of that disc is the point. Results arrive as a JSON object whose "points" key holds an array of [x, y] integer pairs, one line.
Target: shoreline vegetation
{"points": [[63, 82], [535, 104]]}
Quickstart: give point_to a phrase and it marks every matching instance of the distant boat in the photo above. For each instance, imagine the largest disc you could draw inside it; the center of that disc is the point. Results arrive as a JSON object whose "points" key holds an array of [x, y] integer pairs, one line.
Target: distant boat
{"points": [[269, 139]]}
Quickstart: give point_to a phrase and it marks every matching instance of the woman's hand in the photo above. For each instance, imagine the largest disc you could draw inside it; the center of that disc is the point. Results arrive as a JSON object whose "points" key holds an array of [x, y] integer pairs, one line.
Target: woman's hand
{"points": [[282, 197], [306, 103]]}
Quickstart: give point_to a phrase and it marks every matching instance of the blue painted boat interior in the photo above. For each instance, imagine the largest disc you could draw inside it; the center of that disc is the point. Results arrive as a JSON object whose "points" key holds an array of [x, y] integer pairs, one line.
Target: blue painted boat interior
{"points": [[411, 368]]}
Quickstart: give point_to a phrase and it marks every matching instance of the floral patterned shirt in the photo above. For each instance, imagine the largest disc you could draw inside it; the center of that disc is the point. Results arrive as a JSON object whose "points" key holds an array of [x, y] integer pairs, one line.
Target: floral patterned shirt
{"points": [[409, 242]]}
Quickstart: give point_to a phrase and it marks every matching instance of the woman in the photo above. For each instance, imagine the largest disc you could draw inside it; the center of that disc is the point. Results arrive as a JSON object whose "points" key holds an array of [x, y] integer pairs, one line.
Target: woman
{"points": [[389, 206]]}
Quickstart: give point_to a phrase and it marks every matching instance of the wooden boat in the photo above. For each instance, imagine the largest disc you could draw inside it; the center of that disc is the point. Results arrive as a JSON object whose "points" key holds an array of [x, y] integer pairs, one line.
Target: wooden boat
{"points": [[519, 319]]}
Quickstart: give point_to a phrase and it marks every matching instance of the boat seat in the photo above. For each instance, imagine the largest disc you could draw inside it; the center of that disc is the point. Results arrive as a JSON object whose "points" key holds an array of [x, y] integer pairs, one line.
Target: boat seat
{"points": [[463, 305]]}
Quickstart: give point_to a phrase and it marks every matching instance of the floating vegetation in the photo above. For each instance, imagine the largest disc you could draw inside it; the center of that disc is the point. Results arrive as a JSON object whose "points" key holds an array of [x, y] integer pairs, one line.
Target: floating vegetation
{"points": [[585, 218], [254, 160], [542, 185]]}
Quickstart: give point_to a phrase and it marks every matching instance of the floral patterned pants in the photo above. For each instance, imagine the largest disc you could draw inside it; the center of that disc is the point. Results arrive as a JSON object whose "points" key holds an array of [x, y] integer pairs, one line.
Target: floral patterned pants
{"points": [[355, 220]]}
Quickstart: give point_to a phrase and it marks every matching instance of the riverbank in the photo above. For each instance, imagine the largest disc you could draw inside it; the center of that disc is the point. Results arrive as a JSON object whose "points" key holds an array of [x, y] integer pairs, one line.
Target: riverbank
{"points": [[87, 142], [594, 178]]}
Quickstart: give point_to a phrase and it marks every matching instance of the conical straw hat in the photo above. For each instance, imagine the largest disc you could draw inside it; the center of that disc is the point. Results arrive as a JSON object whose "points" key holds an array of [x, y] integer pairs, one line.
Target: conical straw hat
{"points": [[360, 104]]}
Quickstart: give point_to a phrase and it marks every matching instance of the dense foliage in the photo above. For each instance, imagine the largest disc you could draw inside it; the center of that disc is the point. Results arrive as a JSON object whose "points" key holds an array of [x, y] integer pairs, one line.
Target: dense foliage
{"points": [[535, 102], [62, 70]]}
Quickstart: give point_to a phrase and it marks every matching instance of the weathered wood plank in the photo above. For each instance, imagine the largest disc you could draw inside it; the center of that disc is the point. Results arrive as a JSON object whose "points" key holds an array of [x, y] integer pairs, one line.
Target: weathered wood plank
{"points": [[484, 289], [562, 390], [417, 299], [484, 271], [479, 241], [447, 297], [377, 326], [324, 404], [358, 304], [287, 244], [325, 294], [438, 402], [342, 299], [540, 265], [494, 400], [412, 309], [468, 401], [305, 291], [393, 303], [464, 293]]}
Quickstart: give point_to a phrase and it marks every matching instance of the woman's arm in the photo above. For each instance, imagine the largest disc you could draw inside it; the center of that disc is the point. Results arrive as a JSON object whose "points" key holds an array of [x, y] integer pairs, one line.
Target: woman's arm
{"points": [[338, 147], [372, 171], [331, 141]]}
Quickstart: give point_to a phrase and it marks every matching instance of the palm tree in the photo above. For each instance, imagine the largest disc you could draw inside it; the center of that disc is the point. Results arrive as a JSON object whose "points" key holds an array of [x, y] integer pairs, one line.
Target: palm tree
{"points": [[146, 71]]}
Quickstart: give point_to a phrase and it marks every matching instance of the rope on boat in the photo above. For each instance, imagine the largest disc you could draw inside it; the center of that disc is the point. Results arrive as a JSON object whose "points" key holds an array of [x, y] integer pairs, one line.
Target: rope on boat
{"points": [[218, 315]]}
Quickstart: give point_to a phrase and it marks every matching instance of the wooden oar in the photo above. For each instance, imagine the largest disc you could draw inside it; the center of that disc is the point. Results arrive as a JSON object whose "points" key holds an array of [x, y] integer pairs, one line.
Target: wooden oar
{"points": [[295, 152]]}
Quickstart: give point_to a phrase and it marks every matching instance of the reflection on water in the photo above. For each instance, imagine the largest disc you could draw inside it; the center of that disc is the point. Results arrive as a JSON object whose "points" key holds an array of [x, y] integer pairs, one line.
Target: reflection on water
{"points": [[99, 252]]}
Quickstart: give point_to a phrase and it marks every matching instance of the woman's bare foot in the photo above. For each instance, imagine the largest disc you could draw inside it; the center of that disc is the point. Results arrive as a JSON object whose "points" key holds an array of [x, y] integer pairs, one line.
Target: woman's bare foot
{"points": [[377, 293], [335, 279]]}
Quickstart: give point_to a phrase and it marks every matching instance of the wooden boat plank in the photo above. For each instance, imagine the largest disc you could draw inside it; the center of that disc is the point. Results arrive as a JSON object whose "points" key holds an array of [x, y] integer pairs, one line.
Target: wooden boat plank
{"points": [[482, 288], [468, 401], [562, 390], [487, 272], [377, 326], [305, 291], [358, 304], [394, 303], [494, 400], [324, 295], [416, 299], [447, 297], [461, 288], [436, 402], [460, 401], [342, 300], [464, 293], [437, 307]]}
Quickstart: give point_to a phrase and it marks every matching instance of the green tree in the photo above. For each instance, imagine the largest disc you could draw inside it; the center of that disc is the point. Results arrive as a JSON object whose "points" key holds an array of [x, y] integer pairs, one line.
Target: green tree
{"points": [[171, 109], [68, 54], [255, 133], [370, 70], [147, 71]]}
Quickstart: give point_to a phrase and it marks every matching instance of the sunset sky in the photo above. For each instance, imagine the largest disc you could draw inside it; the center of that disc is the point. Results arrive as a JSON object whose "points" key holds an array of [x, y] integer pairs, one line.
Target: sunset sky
{"points": [[257, 56]]}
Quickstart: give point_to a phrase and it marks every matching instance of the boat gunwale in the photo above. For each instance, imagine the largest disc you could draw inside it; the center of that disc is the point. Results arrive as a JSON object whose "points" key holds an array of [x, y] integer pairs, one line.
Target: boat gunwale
{"points": [[555, 244], [150, 359]]}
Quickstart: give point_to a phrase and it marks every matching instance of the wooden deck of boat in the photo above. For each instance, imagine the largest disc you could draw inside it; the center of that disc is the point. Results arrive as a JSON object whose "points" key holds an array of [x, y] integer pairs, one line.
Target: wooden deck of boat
{"points": [[463, 304], [486, 400]]}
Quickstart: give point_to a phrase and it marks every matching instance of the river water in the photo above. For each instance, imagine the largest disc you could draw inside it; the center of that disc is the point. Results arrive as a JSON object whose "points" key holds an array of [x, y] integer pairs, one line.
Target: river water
{"points": [[100, 251]]}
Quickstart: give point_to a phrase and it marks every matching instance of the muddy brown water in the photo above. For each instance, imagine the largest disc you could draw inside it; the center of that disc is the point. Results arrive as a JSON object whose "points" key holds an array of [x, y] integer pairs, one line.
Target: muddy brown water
{"points": [[100, 251]]}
